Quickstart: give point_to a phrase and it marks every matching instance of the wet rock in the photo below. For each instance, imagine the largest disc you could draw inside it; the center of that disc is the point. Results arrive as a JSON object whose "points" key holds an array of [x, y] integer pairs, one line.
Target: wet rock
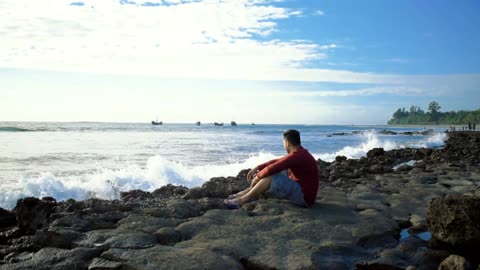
{"points": [[404, 168], [455, 262], [375, 152], [135, 195], [337, 257], [387, 132], [32, 213]]}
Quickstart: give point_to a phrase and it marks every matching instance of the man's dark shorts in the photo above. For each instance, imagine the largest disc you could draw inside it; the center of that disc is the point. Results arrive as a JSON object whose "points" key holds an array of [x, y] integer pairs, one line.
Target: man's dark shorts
{"points": [[283, 187]]}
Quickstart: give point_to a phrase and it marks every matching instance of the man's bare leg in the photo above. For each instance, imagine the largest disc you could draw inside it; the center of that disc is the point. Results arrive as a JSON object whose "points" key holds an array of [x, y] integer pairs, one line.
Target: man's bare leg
{"points": [[243, 192], [261, 187]]}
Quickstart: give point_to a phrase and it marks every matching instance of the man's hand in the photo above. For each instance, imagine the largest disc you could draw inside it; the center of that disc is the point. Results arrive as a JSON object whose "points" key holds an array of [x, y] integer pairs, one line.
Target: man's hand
{"points": [[251, 174]]}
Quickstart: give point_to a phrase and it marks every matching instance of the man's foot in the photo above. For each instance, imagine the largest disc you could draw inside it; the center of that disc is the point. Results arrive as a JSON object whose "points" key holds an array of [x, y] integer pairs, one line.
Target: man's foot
{"points": [[233, 196], [239, 194], [231, 204]]}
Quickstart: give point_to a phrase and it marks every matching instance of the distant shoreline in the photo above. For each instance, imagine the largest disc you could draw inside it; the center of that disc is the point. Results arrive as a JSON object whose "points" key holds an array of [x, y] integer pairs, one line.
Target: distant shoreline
{"points": [[430, 126]]}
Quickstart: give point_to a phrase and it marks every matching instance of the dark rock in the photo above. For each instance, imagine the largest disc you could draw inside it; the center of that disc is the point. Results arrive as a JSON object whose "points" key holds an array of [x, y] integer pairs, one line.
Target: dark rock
{"points": [[337, 257], [124, 239], [404, 168], [429, 259], [420, 164], [53, 239], [254, 265], [102, 264], [90, 222], [218, 187], [387, 132], [32, 214], [454, 219], [18, 257], [135, 195], [10, 234], [170, 191], [146, 223], [455, 262], [7, 219], [340, 159], [377, 266], [56, 259], [168, 236], [430, 179], [376, 168], [176, 208], [171, 258]]}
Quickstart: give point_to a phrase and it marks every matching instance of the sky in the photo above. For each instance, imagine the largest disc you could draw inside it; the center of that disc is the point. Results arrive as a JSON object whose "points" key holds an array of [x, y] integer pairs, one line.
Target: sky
{"points": [[262, 61]]}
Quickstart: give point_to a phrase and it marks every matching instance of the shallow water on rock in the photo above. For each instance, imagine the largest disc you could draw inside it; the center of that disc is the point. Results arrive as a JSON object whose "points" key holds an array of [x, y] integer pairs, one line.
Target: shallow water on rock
{"points": [[404, 234]]}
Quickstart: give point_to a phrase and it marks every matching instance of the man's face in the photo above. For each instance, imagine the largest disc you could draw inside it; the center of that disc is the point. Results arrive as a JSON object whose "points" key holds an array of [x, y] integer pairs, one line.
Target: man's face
{"points": [[286, 145]]}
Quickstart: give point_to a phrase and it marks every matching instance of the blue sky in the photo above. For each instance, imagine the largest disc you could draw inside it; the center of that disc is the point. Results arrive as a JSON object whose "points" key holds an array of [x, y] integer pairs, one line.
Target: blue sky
{"points": [[263, 61]]}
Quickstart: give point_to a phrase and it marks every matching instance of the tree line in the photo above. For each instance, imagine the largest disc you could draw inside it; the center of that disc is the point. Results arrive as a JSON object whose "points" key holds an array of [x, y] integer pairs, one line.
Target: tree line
{"points": [[416, 116]]}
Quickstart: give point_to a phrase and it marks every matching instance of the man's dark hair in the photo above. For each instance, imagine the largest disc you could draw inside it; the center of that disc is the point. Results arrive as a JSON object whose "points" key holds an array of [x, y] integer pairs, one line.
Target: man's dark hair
{"points": [[292, 136]]}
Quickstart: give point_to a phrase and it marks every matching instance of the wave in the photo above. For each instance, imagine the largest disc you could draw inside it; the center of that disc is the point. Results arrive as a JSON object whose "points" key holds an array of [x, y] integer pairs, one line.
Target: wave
{"points": [[14, 129], [108, 183], [159, 171], [436, 140], [373, 141]]}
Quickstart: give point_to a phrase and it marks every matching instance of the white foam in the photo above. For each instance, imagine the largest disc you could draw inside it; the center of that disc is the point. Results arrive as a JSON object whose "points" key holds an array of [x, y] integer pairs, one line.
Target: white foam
{"points": [[434, 141], [371, 141], [107, 184]]}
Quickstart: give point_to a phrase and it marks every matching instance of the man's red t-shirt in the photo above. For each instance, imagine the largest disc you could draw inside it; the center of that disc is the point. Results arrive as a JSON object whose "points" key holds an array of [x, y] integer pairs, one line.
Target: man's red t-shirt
{"points": [[302, 168]]}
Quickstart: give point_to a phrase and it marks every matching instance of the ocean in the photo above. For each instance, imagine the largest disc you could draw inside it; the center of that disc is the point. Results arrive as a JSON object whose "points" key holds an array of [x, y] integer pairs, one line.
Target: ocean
{"points": [[83, 160]]}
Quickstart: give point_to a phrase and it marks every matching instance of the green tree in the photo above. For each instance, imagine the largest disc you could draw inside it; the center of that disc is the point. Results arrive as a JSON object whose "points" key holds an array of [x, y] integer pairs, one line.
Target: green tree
{"points": [[434, 107]]}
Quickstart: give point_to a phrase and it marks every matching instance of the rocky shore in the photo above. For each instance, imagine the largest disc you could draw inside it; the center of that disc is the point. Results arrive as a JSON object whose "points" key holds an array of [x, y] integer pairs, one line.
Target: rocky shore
{"points": [[399, 209]]}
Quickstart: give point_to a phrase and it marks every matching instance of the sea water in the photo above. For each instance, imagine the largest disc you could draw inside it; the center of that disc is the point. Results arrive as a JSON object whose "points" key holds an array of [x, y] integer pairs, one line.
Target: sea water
{"points": [[84, 160]]}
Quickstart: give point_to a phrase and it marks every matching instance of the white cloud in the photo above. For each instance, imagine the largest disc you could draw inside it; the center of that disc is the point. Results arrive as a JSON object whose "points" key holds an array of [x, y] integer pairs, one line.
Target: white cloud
{"points": [[329, 46], [319, 13], [191, 39], [197, 39]]}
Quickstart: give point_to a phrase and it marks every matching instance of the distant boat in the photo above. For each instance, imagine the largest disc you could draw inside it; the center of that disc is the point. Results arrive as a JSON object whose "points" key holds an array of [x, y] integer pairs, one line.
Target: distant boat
{"points": [[233, 123], [198, 123], [253, 124], [156, 123], [218, 124]]}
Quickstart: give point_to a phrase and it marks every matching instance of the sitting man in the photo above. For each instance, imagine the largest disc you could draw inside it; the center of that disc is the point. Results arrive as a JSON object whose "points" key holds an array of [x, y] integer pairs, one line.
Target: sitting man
{"points": [[300, 186]]}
